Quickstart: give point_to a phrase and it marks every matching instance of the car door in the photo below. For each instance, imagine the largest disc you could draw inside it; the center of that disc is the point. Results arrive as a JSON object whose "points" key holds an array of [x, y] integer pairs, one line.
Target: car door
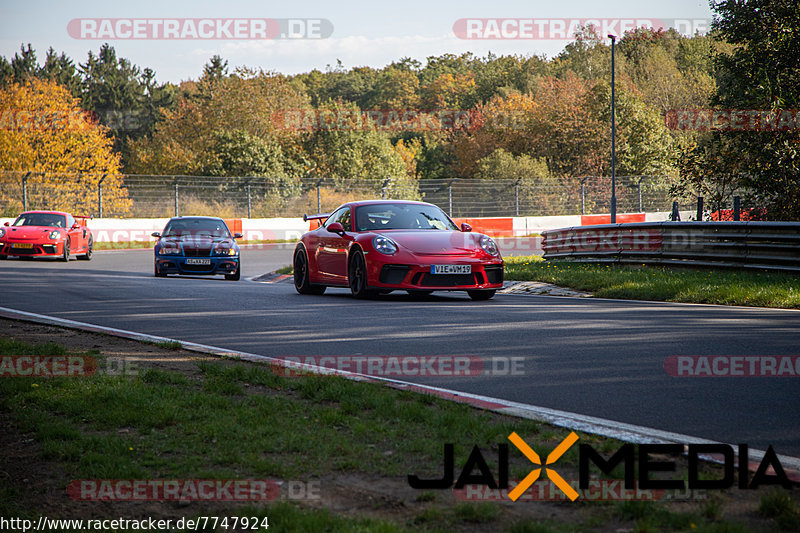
{"points": [[332, 249], [75, 234]]}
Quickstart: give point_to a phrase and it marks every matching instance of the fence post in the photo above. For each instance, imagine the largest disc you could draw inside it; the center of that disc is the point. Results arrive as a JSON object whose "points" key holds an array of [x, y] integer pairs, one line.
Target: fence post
{"points": [[676, 214], [516, 199], [450, 197], [176, 197], [639, 186], [737, 208], [384, 187], [583, 196], [319, 203], [699, 217], [100, 196], [248, 201], [25, 191]]}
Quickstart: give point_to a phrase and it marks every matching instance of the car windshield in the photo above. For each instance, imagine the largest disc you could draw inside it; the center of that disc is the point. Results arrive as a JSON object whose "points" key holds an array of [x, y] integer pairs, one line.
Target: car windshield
{"points": [[197, 227], [401, 216], [41, 219]]}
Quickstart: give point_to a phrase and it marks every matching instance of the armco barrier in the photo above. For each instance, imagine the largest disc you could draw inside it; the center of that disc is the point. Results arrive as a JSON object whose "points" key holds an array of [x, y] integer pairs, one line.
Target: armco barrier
{"points": [[757, 245]]}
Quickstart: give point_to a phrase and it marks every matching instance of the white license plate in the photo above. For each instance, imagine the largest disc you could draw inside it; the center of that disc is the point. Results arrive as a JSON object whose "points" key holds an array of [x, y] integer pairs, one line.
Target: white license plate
{"points": [[451, 269], [191, 261]]}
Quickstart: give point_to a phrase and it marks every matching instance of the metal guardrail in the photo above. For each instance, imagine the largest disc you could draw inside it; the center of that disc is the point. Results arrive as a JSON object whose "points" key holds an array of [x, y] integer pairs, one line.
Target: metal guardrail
{"points": [[752, 245]]}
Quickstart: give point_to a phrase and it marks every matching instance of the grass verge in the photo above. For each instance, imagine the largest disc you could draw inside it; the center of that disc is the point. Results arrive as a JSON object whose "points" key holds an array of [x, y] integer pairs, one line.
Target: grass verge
{"points": [[656, 283], [225, 419]]}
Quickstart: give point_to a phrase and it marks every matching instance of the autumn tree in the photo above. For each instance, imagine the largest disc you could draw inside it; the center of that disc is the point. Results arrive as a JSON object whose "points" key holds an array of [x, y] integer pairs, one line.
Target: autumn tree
{"points": [[46, 133], [760, 72]]}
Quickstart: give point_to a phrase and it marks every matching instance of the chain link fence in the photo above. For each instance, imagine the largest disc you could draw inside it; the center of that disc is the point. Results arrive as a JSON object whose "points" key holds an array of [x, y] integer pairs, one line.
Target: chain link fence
{"points": [[139, 196]]}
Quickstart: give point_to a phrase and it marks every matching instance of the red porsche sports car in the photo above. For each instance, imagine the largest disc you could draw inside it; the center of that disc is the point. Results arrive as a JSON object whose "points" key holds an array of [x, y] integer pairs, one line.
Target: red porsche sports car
{"points": [[379, 246], [47, 234]]}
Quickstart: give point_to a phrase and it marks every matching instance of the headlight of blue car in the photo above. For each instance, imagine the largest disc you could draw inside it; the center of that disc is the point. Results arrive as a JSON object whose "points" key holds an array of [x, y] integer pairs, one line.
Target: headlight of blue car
{"points": [[167, 250], [225, 250]]}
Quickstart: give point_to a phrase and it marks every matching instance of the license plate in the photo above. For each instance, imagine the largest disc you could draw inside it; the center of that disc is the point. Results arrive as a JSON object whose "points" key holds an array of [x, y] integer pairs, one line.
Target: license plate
{"points": [[451, 269], [198, 261], [22, 245]]}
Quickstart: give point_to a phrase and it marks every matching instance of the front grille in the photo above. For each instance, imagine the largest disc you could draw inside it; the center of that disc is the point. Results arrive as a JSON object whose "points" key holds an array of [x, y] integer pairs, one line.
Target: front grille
{"points": [[393, 274], [447, 280], [197, 252], [24, 251], [494, 274]]}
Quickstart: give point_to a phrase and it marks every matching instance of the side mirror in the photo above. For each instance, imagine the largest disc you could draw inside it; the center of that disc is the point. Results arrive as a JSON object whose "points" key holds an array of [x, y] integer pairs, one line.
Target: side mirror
{"points": [[237, 235], [6, 224], [335, 227], [465, 227], [155, 234], [75, 226]]}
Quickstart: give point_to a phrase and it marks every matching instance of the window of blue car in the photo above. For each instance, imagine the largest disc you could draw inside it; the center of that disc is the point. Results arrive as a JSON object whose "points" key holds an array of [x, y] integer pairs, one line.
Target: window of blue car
{"points": [[402, 216], [41, 219], [197, 227]]}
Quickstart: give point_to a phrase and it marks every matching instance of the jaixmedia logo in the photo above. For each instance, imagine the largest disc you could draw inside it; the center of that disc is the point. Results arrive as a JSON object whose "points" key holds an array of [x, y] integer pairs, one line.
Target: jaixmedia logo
{"points": [[647, 458]]}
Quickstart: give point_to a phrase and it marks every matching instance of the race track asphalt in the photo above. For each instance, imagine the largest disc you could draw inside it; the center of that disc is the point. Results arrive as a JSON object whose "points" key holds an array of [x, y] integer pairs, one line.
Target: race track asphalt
{"points": [[595, 357]]}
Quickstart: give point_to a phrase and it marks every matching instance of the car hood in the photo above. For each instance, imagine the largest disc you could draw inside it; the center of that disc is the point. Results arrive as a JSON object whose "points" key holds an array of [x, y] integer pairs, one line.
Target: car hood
{"points": [[191, 241], [29, 232], [435, 242]]}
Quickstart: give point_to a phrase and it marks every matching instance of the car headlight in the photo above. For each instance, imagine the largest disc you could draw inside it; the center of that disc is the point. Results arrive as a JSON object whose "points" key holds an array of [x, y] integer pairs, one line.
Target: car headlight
{"points": [[226, 251], [384, 245], [166, 250], [2, 233], [55, 234], [488, 245]]}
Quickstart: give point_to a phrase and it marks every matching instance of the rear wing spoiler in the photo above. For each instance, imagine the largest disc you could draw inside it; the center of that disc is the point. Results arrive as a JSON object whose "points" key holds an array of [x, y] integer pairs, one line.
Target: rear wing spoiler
{"points": [[82, 219], [319, 216]]}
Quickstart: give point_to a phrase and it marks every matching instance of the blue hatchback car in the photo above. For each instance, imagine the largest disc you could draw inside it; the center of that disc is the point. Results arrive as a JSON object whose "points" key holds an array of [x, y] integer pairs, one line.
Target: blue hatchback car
{"points": [[197, 246]]}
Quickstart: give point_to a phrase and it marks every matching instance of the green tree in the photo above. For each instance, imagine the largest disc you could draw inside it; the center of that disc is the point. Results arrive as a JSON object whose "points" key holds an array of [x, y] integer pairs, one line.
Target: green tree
{"points": [[760, 72], [125, 98]]}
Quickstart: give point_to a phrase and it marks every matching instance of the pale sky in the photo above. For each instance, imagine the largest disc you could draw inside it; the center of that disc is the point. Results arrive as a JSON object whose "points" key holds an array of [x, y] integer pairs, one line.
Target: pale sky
{"points": [[361, 33]]}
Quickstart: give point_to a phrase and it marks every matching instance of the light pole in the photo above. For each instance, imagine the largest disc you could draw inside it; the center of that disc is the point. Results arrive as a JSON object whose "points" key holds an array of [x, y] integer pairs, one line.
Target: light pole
{"points": [[613, 140]]}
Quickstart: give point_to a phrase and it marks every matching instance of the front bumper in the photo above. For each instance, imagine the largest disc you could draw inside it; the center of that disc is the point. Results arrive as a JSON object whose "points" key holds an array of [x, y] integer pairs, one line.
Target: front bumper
{"points": [[176, 264], [48, 249], [486, 274]]}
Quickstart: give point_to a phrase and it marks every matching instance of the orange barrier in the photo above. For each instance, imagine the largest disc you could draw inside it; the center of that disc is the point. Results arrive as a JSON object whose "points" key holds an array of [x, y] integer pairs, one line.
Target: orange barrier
{"points": [[234, 224], [494, 227], [593, 220]]}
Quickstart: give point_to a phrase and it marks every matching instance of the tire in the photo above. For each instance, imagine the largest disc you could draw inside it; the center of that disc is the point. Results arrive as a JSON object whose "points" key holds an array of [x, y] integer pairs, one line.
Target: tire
{"points": [[236, 276], [357, 276], [65, 255], [300, 265], [89, 251], [418, 293], [481, 295], [156, 272]]}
